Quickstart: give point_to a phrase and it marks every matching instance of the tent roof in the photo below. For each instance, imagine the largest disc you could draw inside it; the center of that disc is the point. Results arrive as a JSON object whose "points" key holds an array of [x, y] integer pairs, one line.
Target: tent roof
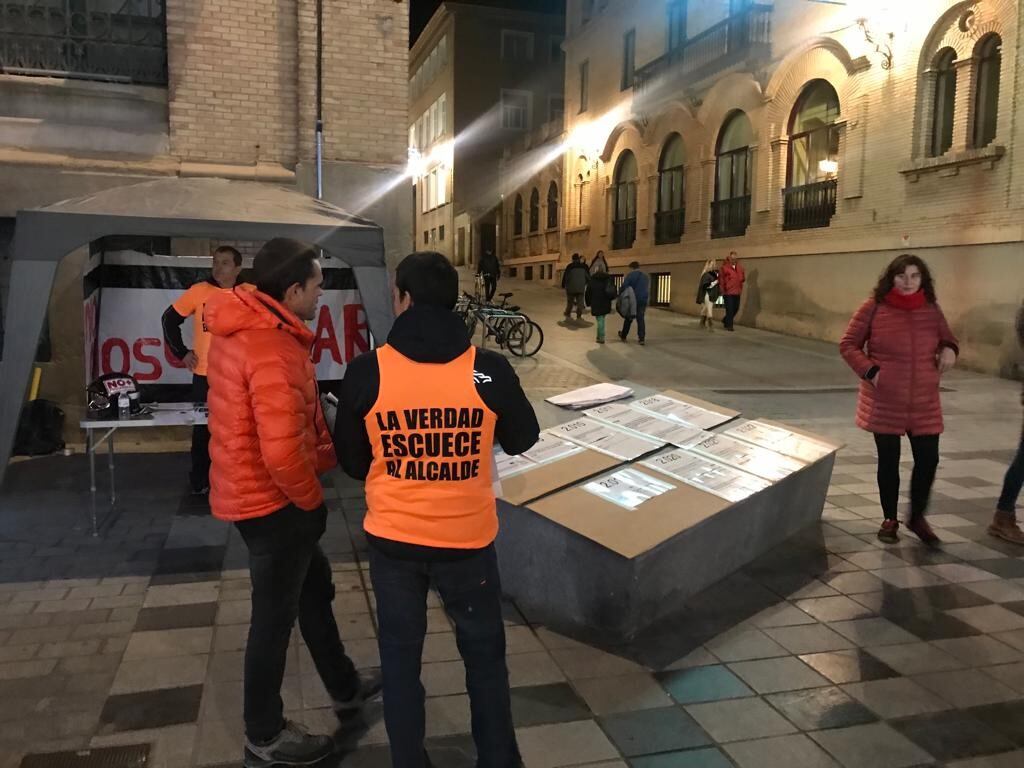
{"points": [[207, 207]]}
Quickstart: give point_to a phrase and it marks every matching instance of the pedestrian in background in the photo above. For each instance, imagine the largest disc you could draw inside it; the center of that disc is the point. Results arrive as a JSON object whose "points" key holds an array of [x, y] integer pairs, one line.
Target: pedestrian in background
{"points": [[639, 284], [574, 281], [730, 280], [1004, 524], [490, 270], [708, 293], [600, 292], [900, 345], [599, 264]]}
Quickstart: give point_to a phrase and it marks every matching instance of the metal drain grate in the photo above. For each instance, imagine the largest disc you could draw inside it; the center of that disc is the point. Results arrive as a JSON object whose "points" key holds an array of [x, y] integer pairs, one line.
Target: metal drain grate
{"points": [[135, 756]]}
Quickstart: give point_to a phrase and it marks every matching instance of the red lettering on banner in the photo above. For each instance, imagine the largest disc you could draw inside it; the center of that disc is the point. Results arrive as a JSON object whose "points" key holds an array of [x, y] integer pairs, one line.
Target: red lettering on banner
{"points": [[171, 358], [355, 330], [325, 337], [106, 352], [156, 370]]}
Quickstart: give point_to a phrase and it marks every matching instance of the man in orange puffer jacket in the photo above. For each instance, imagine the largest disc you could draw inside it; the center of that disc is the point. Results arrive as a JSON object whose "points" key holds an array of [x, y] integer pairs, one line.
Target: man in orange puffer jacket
{"points": [[269, 444]]}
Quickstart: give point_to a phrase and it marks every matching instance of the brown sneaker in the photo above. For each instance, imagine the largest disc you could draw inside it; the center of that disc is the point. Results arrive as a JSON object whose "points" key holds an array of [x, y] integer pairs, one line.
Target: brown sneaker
{"points": [[920, 528], [887, 532], [1004, 526]]}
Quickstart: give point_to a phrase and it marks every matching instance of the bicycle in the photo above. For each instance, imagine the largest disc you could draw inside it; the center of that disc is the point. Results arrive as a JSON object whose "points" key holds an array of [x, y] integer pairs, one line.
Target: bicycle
{"points": [[507, 325]]}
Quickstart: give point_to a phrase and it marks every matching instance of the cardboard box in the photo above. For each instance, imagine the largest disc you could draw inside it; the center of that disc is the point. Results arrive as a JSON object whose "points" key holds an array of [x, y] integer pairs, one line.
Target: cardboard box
{"points": [[553, 476]]}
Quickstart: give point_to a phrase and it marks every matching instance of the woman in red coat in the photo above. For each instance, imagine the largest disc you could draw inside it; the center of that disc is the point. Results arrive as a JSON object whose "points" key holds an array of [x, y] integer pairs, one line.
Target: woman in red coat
{"points": [[899, 344]]}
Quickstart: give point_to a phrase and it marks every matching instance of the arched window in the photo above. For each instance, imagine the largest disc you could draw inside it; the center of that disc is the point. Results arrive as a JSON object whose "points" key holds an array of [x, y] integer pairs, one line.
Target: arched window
{"points": [[944, 104], [552, 206], [989, 54], [534, 210], [668, 221], [624, 202], [517, 216], [730, 212], [580, 191], [810, 194]]}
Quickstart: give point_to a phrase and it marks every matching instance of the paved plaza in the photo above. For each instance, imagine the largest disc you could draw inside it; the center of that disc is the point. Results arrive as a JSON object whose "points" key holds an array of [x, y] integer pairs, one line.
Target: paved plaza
{"points": [[832, 650]]}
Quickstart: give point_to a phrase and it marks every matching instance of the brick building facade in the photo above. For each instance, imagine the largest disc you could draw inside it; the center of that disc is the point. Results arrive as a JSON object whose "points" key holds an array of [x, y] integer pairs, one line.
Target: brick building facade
{"points": [[818, 140], [223, 89]]}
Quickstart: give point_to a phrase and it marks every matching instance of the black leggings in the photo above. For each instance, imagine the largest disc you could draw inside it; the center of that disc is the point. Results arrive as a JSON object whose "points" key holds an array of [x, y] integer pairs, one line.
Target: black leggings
{"points": [[926, 461]]}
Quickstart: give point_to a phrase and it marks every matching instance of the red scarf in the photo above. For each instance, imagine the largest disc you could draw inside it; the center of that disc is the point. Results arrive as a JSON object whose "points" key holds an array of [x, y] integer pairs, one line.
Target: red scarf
{"points": [[910, 301]]}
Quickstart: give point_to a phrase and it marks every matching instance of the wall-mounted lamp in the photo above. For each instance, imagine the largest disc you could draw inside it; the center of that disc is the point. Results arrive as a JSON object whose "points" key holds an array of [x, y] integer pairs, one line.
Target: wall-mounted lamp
{"points": [[884, 47], [829, 168]]}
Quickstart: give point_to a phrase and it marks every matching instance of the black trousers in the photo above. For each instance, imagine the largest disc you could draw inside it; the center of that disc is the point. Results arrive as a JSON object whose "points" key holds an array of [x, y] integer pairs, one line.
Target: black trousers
{"points": [[732, 308], [291, 578], [199, 477], [490, 286], [471, 591], [926, 462]]}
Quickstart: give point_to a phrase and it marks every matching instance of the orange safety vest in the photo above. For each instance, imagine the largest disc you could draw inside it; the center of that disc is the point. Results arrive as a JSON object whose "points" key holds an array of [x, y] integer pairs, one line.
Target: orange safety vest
{"points": [[430, 483]]}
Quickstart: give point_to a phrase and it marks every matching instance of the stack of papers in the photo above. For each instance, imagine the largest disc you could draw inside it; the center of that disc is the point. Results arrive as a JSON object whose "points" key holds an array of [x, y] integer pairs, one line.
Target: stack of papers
{"points": [[588, 397], [781, 440], [628, 488], [648, 425], [707, 474], [606, 439], [685, 413], [547, 449]]}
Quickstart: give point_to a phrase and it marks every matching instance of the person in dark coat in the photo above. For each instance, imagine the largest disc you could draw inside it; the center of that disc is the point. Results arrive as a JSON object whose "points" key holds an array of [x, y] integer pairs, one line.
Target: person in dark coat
{"points": [[708, 293], [490, 270], [600, 292], [1004, 524], [900, 344], [574, 281]]}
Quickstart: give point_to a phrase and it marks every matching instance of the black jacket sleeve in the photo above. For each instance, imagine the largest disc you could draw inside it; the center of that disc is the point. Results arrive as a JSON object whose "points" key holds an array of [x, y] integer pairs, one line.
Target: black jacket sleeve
{"points": [[517, 429], [171, 322], [359, 391]]}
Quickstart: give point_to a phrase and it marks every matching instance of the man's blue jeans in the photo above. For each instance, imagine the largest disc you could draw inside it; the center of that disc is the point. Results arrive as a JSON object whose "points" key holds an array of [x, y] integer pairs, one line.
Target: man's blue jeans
{"points": [[471, 593]]}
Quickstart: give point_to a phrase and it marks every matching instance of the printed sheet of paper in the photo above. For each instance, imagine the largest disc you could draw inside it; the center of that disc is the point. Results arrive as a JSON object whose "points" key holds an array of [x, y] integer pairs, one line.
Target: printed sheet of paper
{"points": [[647, 424], [748, 457], [550, 448], [781, 440], [507, 466], [707, 474], [628, 488], [687, 413], [605, 438]]}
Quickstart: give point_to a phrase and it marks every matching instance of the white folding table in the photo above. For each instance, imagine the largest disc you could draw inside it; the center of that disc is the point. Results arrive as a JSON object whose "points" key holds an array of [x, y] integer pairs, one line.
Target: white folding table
{"points": [[162, 415]]}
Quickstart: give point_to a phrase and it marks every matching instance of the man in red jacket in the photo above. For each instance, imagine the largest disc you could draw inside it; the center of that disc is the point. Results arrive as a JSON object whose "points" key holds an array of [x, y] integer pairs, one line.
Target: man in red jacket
{"points": [[269, 444], [730, 279]]}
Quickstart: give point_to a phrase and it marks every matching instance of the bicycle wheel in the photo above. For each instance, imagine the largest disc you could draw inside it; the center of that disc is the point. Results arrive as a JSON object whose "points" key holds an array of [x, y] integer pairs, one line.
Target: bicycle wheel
{"points": [[526, 339], [471, 321]]}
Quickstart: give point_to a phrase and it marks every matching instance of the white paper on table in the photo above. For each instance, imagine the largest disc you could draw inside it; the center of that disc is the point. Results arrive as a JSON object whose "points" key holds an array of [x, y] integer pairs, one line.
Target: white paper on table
{"points": [[605, 438], [647, 424], [781, 440], [628, 488], [748, 457], [707, 474], [592, 395], [550, 448], [687, 413], [507, 466]]}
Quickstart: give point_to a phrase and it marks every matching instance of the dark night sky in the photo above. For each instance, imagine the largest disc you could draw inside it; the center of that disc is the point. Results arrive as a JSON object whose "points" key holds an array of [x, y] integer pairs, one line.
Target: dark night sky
{"points": [[420, 11]]}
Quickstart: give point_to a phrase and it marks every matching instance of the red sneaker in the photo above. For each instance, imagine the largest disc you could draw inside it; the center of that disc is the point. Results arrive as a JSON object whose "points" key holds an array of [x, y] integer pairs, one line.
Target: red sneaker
{"points": [[887, 532], [920, 528]]}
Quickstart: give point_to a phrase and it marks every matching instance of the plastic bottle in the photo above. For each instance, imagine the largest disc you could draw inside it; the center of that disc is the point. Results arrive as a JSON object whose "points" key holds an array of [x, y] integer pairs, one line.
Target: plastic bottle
{"points": [[123, 407]]}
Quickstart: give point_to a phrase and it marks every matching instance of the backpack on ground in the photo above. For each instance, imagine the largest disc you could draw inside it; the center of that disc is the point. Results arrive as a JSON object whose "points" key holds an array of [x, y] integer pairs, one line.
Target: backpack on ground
{"points": [[40, 429]]}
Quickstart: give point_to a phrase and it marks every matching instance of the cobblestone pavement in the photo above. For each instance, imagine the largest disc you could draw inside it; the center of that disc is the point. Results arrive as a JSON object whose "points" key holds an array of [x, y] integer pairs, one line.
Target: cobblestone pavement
{"points": [[832, 650]]}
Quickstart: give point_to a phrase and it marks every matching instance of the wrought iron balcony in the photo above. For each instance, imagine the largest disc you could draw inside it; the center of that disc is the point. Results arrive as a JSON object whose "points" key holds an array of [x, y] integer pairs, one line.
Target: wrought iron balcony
{"points": [[623, 234], [809, 205], [669, 226], [742, 37], [730, 218], [85, 39]]}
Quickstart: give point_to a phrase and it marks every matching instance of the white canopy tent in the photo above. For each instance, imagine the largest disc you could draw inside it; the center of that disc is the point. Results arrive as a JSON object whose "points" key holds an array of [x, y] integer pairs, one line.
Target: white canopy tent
{"points": [[172, 207]]}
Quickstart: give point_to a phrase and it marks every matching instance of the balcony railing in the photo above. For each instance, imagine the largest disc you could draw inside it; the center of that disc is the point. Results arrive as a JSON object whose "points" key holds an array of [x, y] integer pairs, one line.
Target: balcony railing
{"points": [[623, 234], [85, 39], [669, 226], [810, 205], [742, 36], [730, 218]]}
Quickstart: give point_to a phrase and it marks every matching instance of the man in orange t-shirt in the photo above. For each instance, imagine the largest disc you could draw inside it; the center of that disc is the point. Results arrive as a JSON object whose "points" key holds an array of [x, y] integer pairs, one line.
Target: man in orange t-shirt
{"points": [[227, 263]]}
